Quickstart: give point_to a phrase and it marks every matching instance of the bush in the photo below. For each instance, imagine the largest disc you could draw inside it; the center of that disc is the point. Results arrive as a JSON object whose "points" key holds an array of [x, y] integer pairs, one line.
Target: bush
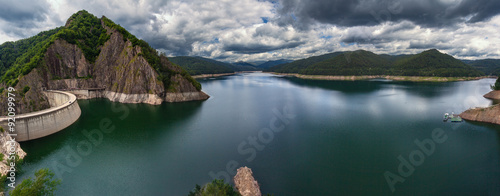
{"points": [[496, 87], [26, 89], [43, 184], [216, 187]]}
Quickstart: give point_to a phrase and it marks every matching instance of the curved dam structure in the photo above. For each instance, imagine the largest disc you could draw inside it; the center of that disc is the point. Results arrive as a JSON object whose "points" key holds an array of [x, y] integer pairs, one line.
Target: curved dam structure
{"points": [[64, 111]]}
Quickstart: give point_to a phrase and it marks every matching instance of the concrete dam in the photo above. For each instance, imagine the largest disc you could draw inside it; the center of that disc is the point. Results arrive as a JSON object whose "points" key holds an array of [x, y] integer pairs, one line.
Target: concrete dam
{"points": [[63, 112]]}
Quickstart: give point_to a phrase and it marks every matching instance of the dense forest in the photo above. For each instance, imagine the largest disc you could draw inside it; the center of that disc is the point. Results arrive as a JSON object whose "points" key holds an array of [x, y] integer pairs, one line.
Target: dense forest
{"points": [[350, 63], [11, 51], [199, 65], [269, 64], [428, 63], [298, 65], [488, 66], [433, 63]]}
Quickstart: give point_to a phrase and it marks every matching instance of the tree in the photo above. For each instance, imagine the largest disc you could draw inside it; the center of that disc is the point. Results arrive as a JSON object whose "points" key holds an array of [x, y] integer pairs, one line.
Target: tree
{"points": [[41, 186], [216, 187], [497, 85]]}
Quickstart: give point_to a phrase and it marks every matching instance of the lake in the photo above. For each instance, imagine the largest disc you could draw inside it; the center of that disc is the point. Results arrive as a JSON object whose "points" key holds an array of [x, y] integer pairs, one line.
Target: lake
{"points": [[300, 137]]}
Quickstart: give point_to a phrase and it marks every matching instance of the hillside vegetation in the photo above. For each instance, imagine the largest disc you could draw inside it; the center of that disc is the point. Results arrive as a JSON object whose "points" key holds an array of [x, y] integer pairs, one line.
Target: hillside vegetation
{"points": [[357, 63], [299, 65], [434, 63], [199, 65], [350, 63], [488, 66], [270, 64]]}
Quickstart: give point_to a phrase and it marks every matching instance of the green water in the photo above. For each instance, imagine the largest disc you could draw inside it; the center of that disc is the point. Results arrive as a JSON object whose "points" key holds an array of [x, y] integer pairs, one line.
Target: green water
{"points": [[336, 138]]}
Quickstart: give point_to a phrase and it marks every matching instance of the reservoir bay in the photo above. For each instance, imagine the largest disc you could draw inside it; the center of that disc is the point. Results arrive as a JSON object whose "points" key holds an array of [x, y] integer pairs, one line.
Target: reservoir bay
{"points": [[337, 138]]}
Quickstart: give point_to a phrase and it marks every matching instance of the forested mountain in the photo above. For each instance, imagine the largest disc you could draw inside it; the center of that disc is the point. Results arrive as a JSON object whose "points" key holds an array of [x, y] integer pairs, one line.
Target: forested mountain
{"points": [[433, 63], [270, 64], [359, 62], [91, 52], [428, 63], [488, 66], [11, 51], [199, 65], [243, 66], [298, 65]]}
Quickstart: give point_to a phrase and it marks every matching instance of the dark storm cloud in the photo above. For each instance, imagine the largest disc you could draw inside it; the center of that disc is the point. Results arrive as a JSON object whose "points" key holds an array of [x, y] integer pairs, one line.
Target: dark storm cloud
{"points": [[22, 12], [254, 48], [427, 45], [429, 13]]}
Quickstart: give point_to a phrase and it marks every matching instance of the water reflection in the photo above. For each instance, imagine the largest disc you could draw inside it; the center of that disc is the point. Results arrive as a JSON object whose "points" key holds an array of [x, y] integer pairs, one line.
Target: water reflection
{"points": [[423, 89], [93, 111]]}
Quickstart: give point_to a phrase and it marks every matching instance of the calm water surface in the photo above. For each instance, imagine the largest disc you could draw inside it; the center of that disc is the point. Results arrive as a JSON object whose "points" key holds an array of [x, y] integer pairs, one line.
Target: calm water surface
{"points": [[345, 135]]}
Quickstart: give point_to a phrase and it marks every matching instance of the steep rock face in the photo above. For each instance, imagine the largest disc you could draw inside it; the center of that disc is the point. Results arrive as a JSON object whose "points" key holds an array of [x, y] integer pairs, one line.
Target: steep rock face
{"points": [[66, 60], [32, 100], [93, 53], [183, 90], [488, 115], [492, 95], [120, 69], [5, 149], [245, 183]]}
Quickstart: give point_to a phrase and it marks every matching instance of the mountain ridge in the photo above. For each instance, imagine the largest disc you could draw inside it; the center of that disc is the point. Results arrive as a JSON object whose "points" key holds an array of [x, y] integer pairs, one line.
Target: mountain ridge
{"points": [[361, 62], [91, 52]]}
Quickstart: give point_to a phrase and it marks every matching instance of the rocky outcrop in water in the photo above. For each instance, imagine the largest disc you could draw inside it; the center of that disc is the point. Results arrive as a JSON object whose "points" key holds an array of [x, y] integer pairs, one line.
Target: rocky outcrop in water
{"points": [[489, 115], [245, 182], [492, 95]]}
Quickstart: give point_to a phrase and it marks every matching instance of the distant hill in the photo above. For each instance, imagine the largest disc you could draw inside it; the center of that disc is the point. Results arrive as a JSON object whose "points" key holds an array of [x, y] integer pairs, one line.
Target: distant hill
{"points": [[359, 62], [298, 65], [244, 66], [428, 63], [394, 58], [433, 63], [199, 65], [257, 63], [269, 64], [488, 66]]}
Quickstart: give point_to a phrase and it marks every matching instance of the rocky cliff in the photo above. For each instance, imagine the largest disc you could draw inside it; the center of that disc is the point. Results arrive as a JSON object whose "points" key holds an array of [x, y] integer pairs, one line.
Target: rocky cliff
{"points": [[91, 52], [245, 183], [492, 95], [489, 115], [5, 149]]}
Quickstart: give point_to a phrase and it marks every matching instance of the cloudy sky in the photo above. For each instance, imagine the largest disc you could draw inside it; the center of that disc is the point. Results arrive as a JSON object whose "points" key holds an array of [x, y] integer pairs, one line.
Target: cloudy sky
{"points": [[251, 30]]}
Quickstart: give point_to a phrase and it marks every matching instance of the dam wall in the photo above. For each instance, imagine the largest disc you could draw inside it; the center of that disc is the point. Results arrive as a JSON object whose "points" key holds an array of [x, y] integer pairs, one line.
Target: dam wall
{"points": [[64, 111]]}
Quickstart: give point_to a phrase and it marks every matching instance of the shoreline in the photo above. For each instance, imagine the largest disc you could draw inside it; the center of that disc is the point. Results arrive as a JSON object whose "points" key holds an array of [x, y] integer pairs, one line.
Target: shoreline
{"points": [[212, 75], [490, 114], [388, 77]]}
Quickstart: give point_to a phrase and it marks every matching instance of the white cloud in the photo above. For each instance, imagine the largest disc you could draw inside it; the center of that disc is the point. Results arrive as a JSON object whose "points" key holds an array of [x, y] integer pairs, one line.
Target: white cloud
{"points": [[236, 30]]}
